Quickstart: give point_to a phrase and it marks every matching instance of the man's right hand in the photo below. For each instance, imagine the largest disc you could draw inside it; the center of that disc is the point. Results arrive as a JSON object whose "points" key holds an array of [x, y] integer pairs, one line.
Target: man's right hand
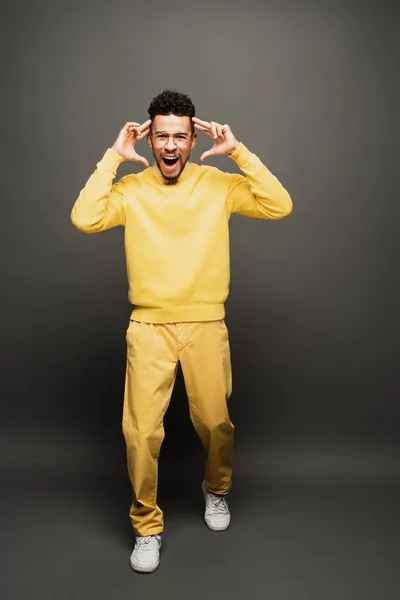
{"points": [[127, 138]]}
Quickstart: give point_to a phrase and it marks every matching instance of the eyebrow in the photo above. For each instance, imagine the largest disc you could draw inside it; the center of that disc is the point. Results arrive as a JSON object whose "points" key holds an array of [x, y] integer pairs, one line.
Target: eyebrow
{"points": [[173, 132]]}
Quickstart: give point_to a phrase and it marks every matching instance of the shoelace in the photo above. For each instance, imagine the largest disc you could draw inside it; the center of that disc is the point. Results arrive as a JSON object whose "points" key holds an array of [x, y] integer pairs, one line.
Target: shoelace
{"points": [[147, 543], [219, 504]]}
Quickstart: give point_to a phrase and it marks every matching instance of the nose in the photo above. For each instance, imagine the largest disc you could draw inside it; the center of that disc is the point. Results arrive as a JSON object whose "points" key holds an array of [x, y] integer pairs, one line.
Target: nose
{"points": [[171, 144]]}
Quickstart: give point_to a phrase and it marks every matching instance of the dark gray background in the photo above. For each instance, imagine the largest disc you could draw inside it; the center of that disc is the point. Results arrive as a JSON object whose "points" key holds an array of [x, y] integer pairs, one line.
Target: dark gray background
{"points": [[312, 89]]}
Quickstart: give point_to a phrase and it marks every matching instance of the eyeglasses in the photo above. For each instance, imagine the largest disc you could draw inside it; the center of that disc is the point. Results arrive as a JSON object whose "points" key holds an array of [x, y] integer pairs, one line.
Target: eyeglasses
{"points": [[180, 139]]}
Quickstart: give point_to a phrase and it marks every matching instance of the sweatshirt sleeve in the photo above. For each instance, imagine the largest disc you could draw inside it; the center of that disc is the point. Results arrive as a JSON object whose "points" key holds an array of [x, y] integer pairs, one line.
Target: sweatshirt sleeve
{"points": [[100, 204], [259, 194]]}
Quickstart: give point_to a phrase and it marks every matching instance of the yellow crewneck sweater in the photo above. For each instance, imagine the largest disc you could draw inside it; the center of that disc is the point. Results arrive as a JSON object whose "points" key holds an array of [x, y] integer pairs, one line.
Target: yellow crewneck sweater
{"points": [[176, 235]]}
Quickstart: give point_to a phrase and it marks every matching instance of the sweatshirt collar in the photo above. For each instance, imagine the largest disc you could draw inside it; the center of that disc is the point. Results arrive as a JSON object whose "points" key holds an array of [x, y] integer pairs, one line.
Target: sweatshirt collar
{"points": [[158, 175]]}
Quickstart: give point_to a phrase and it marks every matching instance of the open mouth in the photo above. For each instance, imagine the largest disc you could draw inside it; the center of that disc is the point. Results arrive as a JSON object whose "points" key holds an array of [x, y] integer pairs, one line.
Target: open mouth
{"points": [[169, 162]]}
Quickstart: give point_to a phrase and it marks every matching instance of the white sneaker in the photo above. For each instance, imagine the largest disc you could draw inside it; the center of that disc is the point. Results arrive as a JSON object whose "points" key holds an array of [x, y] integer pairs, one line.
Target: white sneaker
{"points": [[145, 557], [217, 515]]}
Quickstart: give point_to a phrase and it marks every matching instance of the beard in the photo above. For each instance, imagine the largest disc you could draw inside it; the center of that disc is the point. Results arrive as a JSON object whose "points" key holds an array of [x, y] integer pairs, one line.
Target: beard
{"points": [[173, 179]]}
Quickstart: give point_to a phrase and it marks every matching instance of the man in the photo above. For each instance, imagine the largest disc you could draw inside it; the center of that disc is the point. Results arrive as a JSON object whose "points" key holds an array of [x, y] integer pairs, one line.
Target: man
{"points": [[176, 216]]}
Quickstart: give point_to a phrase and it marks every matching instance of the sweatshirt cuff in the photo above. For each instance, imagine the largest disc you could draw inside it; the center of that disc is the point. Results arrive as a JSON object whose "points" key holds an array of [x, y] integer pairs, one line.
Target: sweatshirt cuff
{"points": [[241, 155], [110, 161]]}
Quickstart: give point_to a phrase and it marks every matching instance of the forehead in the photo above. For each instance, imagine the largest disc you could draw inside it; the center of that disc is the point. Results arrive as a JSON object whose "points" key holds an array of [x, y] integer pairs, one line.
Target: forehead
{"points": [[171, 123]]}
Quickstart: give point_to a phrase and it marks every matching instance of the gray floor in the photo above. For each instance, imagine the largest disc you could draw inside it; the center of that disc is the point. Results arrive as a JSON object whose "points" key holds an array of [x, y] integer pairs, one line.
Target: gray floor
{"points": [[289, 539]]}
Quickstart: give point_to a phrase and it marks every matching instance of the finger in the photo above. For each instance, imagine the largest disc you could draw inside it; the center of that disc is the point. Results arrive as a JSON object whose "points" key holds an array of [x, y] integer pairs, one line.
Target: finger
{"points": [[138, 133], [141, 159], [220, 131], [133, 129], [202, 127], [145, 125], [200, 122], [203, 130], [130, 123], [206, 154], [143, 134], [214, 129]]}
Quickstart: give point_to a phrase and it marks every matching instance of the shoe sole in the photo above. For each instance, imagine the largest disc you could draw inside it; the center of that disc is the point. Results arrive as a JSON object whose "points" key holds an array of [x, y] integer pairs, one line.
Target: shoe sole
{"points": [[224, 528], [212, 527], [140, 569]]}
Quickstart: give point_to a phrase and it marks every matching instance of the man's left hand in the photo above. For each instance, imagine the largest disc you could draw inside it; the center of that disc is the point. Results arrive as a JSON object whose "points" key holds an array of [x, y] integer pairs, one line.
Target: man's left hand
{"points": [[224, 140]]}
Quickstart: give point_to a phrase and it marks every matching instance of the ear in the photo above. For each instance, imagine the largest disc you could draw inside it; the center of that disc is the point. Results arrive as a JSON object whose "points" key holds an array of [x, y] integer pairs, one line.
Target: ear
{"points": [[194, 140], [149, 141]]}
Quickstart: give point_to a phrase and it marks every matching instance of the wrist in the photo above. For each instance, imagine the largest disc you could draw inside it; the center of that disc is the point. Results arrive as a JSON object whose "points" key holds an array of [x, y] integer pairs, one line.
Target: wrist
{"points": [[116, 151], [234, 148]]}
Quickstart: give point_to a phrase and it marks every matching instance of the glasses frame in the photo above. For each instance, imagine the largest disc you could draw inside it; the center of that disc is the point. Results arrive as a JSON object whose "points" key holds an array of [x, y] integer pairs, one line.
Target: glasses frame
{"points": [[181, 143]]}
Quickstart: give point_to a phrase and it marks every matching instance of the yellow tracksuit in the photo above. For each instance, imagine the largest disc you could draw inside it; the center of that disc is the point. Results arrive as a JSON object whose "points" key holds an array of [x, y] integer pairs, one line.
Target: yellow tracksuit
{"points": [[177, 253]]}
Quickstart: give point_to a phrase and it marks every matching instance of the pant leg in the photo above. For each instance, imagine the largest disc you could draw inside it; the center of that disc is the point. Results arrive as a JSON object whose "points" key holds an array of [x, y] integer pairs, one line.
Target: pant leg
{"points": [[151, 369], [204, 354]]}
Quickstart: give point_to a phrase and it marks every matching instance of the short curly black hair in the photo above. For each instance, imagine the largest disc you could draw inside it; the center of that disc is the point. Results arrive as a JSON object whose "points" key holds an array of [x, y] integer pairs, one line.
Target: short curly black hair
{"points": [[171, 102]]}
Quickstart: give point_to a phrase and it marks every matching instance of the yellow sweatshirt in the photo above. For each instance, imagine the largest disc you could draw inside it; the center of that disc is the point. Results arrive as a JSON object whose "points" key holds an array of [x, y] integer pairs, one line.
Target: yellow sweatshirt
{"points": [[177, 236]]}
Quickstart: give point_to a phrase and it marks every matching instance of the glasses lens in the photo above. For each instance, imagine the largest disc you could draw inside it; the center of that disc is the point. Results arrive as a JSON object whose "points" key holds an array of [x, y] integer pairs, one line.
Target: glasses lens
{"points": [[163, 140]]}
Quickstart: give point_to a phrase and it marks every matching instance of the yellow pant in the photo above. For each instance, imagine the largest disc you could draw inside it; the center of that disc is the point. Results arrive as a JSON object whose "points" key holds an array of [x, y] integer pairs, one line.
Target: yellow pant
{"points": [[153, 354]]}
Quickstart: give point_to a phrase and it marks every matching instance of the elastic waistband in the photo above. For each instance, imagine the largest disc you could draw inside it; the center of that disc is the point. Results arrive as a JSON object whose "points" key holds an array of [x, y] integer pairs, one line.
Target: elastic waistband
{"points": [[178, 314]]}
